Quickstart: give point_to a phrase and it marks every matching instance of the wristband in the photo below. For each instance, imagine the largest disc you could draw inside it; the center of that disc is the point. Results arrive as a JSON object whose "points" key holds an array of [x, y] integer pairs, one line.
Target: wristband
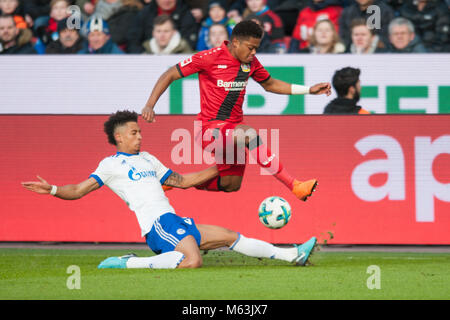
{"points": [[53, 191], [299, 89]]}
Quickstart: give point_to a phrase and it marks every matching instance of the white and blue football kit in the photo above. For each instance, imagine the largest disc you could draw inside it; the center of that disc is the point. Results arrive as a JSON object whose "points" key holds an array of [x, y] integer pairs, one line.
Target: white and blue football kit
{"points": [[137, 179]]}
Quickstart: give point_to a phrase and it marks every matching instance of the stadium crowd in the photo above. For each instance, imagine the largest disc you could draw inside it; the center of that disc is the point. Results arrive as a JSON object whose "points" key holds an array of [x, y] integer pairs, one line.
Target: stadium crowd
{"points": [[186, 26]]}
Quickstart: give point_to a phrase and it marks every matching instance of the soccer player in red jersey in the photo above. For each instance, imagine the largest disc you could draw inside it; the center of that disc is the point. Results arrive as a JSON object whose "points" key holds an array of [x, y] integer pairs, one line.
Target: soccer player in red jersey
{"points": [[223, 75]]}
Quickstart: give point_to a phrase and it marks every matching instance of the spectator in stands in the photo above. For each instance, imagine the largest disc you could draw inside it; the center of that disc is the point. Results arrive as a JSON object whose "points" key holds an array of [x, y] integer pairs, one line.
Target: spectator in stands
{"points": [[271, 22], [121, 21], [288, 11], [166, 39], [142, 28], [308, 17], [324, 39], [403, 38], [198, 9], [36, 9], [15, 9], [431, 22], [237, 8], [364, 40], [69, 40], [87, 7], [266, 45], [106, 8], [12, 39], [218, 33], [216, 15], [47, 28], [235, 15], [359, 10], [348, 88], [395, 5], [99, 38]]}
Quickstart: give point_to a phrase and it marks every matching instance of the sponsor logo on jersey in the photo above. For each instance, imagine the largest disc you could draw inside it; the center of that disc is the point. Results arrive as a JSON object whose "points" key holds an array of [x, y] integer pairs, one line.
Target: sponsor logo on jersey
{"points": [[245, 67], [181, 231], [135, 175], [222, 66], [232, 85]]}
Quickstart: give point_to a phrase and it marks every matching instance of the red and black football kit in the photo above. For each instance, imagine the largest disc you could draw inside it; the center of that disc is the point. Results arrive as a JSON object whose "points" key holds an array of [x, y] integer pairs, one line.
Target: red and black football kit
{"points": [[223, 80]]}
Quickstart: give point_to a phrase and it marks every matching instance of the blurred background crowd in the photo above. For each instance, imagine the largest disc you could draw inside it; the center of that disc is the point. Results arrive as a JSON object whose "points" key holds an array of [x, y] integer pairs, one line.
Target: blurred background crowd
{"points": [[187, 26]]}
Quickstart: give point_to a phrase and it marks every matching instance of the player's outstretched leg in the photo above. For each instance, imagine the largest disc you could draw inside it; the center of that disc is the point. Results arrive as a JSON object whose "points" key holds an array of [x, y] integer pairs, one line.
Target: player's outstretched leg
{"points": [[168, 260], [266, 159], [261, 249], [304, 251], [214, 237], [116, 262], [271, 162]]}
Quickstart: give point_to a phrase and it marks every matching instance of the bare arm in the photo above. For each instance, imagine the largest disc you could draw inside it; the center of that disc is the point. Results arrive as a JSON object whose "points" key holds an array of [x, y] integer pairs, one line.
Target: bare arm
{"points": [[160, 87], [276, 86], [281, 87], [67, 192], [191, 179]]}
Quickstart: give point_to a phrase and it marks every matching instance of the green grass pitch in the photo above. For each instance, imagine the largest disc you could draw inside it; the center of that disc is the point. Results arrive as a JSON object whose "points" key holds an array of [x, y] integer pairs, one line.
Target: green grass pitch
{"points": [[42, 274]]}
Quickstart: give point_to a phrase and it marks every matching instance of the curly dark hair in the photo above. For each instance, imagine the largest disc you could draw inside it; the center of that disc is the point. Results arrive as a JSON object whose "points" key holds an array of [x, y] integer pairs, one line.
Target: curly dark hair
{"points": [[117, 119], [247, 29]]}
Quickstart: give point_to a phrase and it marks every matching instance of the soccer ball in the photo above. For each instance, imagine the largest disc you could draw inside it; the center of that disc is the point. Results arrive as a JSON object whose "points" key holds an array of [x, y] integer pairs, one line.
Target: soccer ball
{"points": [[274, 212]]}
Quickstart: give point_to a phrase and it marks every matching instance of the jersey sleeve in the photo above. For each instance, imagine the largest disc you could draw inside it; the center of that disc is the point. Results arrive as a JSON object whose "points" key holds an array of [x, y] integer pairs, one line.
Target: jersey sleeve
{"points": [[104, 173], [162, 172], [260, 74], [191, 65]]}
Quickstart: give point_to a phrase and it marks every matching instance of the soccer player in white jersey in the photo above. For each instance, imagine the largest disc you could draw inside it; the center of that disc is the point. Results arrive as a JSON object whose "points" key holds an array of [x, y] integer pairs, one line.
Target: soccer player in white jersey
{"points": [[137, 177]]}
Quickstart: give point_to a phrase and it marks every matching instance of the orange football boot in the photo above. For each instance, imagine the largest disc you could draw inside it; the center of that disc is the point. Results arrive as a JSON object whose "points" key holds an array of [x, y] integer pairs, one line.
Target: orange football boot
{"points": [[166, 188], [304, 189]]}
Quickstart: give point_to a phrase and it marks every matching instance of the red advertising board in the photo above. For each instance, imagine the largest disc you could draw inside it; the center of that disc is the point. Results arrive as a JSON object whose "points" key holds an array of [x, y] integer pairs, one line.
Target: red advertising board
{"points": [[382, 179]]}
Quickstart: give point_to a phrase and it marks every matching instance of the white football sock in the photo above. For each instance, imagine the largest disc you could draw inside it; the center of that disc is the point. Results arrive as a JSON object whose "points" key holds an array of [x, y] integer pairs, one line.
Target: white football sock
{"points": [[168, 260], [261, 249]]}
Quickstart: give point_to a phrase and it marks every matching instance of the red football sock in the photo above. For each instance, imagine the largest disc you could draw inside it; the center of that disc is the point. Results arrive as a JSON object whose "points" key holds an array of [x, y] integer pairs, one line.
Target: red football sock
{"points": [[285, 178], [270, 161]]}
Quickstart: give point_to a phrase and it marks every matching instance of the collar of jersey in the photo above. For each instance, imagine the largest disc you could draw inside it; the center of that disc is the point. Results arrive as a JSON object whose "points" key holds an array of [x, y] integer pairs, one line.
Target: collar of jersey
{"points": [[225, 48], [127, 154]]}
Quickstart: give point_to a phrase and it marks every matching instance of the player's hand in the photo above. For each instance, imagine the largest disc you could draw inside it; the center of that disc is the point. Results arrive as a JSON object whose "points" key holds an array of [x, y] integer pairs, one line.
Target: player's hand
{"points": [[42, 186], [148, 114], [321, 88]]}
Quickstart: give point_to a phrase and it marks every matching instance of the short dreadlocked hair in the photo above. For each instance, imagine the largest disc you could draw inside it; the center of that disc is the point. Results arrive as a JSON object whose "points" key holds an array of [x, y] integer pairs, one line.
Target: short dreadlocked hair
{"points": [[118, 119], [247, 29]]}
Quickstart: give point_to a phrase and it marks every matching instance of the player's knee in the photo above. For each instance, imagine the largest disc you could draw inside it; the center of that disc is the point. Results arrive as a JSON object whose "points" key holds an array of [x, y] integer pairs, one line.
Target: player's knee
{"points": [[230, 183], [231, 238], [193, 263], [232, 187]]}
